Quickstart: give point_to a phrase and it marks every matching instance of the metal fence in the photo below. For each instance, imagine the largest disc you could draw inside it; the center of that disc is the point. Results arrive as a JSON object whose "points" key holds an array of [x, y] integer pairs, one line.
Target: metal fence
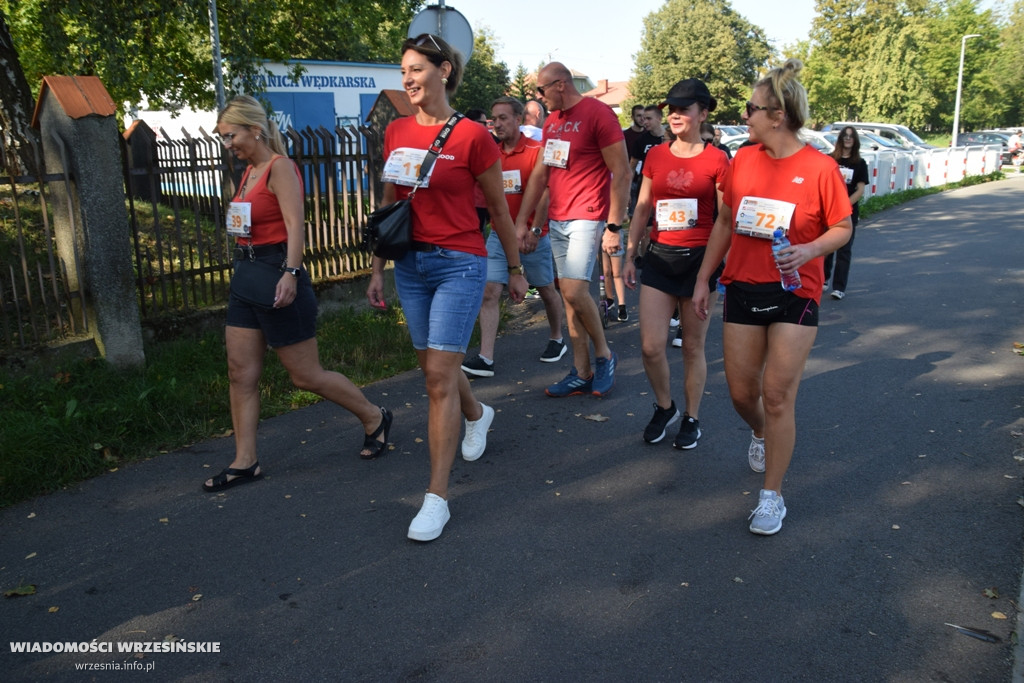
{"points": [[177, 190], [36, 306]]}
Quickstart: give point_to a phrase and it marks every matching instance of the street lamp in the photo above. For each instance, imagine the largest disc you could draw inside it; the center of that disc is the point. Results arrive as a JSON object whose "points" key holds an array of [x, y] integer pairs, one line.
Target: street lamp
{"points": [[959, 87]]}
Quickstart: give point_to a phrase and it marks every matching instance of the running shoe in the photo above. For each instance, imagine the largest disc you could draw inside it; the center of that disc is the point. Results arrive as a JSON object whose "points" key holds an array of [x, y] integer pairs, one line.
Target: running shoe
{"points": [[766, 518], [571, 385], [837, 294], [478, 367], [554, 351], [659, 424], [689, 432], [604, 375], [755, 453]]}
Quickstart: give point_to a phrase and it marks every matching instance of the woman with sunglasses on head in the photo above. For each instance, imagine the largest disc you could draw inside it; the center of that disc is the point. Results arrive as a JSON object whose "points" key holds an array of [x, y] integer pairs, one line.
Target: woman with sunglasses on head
{"points": [[768, 331], [271, 229], [680, 184], [441, 281], [855, 173]]}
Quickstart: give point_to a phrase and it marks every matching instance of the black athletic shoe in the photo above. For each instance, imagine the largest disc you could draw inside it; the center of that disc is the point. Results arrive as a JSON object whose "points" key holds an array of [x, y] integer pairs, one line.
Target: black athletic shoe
{"points": [[689, 432], [658, 426], [478, 367]]}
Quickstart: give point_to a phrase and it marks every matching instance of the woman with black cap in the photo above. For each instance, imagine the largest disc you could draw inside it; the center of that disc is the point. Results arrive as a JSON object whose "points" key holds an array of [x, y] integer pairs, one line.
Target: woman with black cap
{"points": [[680, 184]]}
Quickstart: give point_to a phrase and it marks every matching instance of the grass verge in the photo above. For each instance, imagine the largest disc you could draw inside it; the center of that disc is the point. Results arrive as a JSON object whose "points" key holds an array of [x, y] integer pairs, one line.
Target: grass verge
{"points": [[874, 205], [81, 418]]}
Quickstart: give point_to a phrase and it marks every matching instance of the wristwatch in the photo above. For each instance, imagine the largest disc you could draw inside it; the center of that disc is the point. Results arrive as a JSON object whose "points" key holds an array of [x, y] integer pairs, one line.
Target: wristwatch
{"points": [[513, 270], [293, 271], [614, 227], [536, 230]]}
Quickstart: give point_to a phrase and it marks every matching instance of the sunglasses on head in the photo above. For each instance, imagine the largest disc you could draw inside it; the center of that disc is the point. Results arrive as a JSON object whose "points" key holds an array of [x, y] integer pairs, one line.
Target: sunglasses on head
{"points": [[423, 41]]}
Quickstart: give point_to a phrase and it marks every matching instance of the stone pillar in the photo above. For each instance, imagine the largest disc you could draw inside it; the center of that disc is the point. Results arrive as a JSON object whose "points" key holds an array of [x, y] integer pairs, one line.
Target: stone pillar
{"points": [[76, 118]]}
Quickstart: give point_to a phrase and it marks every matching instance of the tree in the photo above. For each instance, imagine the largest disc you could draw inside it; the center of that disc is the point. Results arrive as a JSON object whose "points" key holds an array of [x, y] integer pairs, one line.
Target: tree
{"points": [[892, 85], [160, 50], [1007, 74], [522, 84], [729, 55], [16, 107], [485, 79]]}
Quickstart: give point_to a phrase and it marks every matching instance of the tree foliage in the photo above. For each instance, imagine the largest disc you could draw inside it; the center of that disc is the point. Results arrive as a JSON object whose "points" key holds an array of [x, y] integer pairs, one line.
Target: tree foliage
{"points": [[485, 79], [728, 55], [160, 51], [523, 84]]}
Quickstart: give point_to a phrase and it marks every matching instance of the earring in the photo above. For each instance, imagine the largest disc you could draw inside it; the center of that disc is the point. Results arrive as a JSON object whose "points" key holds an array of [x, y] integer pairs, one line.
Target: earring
{"points": [[444, 81], [257, 138]]}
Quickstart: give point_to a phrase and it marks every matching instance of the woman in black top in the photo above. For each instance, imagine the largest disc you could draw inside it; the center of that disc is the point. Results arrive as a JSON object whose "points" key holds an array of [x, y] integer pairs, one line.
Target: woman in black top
{"points": [[855, 173]]}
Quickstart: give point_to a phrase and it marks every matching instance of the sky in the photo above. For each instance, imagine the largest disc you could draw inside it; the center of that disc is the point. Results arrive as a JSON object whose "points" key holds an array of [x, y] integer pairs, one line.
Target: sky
{"points": [[600, 37]]}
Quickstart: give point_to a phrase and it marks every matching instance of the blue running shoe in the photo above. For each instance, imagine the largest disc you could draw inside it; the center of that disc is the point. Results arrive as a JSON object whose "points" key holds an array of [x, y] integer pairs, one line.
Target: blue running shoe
{"points": [[604, 375], [570, 386]]}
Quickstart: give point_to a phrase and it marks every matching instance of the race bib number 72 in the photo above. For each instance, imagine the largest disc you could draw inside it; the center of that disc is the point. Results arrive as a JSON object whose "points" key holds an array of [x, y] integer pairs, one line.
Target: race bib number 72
{"points": [[760, 217]]}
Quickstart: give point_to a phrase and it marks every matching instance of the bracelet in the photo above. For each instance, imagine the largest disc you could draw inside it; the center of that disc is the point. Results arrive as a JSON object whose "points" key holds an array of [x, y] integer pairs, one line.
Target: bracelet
{"points": [[514, 270], [613, 227]]}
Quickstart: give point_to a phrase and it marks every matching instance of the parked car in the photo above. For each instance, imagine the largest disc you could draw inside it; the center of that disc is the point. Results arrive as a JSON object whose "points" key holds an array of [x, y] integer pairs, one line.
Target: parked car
{"points": [[819, 141], [985, 137], [891, 131]]}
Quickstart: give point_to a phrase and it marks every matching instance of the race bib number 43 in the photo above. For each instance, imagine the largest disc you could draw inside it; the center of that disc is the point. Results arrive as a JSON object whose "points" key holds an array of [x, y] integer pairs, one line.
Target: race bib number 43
{"points": [[403, 167], [676, 214], [759, 217]]}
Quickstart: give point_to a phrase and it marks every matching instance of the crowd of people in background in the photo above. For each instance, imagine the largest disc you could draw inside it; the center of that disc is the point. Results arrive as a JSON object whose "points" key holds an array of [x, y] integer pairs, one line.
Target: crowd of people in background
{"points": [[540, 194]]}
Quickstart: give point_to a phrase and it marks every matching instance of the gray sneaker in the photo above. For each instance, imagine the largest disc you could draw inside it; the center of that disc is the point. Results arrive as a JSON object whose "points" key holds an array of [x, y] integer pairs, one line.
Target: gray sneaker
{"points": [[766, 518], [755, 454]]}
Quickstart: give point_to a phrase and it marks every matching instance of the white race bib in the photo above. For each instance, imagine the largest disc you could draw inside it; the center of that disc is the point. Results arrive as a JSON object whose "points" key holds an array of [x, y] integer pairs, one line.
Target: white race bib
{"points": [[759, 217], [676, 214], [556, 153], [512, 182], [847, 174], [403, 167], [239, 219]]}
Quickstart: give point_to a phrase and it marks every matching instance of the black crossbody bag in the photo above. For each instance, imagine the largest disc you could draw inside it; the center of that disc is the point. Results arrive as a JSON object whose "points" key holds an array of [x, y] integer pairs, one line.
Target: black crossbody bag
{"points": [[388, 232]]}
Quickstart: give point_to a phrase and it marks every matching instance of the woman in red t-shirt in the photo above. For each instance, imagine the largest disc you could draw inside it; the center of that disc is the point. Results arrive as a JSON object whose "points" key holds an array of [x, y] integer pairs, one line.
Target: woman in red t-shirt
{"points": [[441, 282], [680, 183], [270, 228], [768, 331]]}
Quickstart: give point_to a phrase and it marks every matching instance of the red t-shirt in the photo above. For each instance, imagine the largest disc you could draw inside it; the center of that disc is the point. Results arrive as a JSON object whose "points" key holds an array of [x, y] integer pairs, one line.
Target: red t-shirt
{"points": [[522, 158], [697, 178], [810, 180], [267, 221], [444, 213], [582, 190]]}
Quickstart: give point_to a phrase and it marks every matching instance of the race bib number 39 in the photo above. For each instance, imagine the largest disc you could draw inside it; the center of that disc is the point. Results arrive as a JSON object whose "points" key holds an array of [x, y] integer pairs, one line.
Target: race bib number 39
{"points": [[759, 217], [676, 214], [403, 167], [556, 153], [239, 219]]}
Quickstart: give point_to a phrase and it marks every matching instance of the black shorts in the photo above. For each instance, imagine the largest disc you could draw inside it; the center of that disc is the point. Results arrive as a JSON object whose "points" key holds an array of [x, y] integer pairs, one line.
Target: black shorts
{"points": [[764, 304], [292, 324], [673, 270]]}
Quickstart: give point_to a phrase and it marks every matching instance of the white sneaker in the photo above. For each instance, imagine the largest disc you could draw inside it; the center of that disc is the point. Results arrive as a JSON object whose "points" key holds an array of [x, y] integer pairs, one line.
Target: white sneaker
{"points": [[755, 454], [475, 441], [429, 522]]}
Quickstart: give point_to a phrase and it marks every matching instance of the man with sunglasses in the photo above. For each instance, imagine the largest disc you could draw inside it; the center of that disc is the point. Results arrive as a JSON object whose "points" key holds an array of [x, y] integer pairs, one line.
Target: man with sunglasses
{"points": [[585, 168]]}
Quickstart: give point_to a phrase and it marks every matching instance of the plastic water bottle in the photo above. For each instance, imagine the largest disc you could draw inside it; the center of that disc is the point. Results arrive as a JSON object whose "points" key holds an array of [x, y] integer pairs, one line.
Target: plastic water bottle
{"points": [[790, 281]]}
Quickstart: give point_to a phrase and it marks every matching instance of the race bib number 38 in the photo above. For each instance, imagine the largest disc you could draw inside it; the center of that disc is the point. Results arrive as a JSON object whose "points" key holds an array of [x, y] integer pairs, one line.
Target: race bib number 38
{"points": [[512, 181], [759, 217], [676, 214], [403, 167]]}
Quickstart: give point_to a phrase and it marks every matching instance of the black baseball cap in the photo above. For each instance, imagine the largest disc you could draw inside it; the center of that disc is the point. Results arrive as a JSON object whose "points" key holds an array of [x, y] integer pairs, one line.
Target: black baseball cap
{"points": [[684, 93]]}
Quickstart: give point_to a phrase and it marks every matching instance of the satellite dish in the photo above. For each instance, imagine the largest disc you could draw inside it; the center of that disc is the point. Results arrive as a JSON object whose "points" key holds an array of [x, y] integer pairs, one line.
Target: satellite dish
{"points": [[447, 23]]}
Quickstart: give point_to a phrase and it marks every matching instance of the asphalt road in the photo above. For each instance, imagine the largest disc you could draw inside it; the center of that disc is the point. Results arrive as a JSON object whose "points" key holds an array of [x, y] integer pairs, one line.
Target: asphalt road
{"points": [[576, 551]]}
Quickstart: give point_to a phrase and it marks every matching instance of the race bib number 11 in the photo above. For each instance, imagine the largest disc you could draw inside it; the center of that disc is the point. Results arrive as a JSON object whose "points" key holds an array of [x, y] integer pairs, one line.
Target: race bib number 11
{"points": [[403, 167], [759, 217]]}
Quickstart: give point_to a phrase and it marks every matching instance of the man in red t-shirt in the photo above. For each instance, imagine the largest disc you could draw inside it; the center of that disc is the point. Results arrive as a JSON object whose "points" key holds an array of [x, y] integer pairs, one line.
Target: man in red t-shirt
{"points": [[585, 169], [518, 159]]}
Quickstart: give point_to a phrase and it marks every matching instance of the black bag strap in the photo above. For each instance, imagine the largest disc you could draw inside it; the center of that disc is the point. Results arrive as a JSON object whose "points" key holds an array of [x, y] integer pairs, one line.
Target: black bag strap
{"points": [[434, 151]]}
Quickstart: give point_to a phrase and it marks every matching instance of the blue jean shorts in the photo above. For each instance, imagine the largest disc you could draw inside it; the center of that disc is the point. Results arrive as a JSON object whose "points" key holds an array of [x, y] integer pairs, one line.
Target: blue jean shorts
{"points": [[575, 245], [540, 269], [441, 291]]}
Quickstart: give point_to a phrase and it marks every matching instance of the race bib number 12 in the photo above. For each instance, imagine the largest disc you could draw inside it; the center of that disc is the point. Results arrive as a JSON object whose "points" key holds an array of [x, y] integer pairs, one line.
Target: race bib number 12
{"points": [[759, 217], [556, 153]]}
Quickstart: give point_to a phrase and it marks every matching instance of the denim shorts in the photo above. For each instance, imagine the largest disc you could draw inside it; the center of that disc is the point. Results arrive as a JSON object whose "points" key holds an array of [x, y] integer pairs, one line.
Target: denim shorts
{"points": [[441, 291], [539, 267], [574, 245], [292, 324]]}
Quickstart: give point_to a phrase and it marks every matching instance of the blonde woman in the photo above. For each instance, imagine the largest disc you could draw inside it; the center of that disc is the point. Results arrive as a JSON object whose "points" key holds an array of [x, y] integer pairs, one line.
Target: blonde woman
{"points": [[270, 229], [768, 332]]}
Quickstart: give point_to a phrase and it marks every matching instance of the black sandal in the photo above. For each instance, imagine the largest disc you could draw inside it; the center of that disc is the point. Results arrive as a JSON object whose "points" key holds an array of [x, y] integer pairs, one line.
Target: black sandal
{"points": [[222, 483], [370, 443]]}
